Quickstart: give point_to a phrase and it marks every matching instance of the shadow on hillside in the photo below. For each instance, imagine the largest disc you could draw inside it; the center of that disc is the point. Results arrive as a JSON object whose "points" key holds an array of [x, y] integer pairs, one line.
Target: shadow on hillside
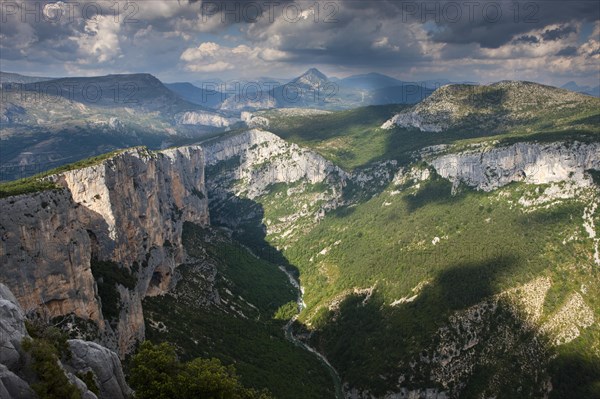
{"points": [[358, 340], [575, 376], [244, 218], [436, 191]]}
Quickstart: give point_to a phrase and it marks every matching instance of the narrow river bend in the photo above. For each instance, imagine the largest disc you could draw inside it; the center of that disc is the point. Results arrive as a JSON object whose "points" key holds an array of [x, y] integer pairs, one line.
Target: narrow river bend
{"points": [[289, 335]]}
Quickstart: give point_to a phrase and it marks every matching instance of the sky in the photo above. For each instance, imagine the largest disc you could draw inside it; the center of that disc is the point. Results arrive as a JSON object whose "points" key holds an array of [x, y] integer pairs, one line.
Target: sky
{"points": [[550, 42]]}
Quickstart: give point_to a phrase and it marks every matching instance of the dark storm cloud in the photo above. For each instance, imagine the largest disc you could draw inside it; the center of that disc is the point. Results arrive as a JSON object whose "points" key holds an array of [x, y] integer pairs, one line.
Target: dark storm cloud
{"points": [[567, 52], [240, 11], [558, 33], [488, 23], [492, 24], [527, 39]]}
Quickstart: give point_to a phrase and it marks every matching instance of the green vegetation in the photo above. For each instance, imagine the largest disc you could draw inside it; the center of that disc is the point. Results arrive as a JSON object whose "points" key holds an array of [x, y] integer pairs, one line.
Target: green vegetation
{"points": [[107, 275], [576, 368], [353, 139], [239, 328], [156, 373], [485, 245], [25, 186], [47, 346], [348, 138], [38, 182], [386, 273], [287, 311], [90, 381]]}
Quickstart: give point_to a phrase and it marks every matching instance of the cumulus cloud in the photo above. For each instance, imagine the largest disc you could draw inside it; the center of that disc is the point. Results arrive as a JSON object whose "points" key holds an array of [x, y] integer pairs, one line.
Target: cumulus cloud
{"points": [[212, 57], [99, 42], [204, 50]]}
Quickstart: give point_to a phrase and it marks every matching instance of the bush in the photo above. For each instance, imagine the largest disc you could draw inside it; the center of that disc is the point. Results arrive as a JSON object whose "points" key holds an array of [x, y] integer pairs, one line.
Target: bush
{"points": [[52, 383], [156, 373]]}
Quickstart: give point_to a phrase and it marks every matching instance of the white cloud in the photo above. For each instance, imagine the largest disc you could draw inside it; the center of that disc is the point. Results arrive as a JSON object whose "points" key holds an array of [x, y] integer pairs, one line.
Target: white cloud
{"points": [[218, 66], [270, 54], [203, 51], [212, 57], [100, 40], [384, 43]]}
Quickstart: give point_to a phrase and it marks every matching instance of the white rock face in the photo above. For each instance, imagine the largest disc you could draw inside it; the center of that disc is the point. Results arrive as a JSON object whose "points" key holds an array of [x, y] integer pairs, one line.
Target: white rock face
{"points": [[12, 328], [267, 159], [530, 162], [129, 208], [413, 120], [254, 121], [204, 119]]}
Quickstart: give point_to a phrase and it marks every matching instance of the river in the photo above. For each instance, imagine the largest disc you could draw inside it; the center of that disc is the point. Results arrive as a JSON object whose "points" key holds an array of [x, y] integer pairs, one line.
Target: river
{"points": [[289, 335]]}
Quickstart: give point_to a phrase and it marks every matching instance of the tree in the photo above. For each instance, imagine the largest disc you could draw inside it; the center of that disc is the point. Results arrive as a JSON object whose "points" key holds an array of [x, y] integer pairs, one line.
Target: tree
{"points": [[157, 374], [154, 370]]}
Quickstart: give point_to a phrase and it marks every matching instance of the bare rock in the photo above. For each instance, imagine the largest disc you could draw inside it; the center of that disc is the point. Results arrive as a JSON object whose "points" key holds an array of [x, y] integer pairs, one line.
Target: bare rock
{"points": [[104, 363]]}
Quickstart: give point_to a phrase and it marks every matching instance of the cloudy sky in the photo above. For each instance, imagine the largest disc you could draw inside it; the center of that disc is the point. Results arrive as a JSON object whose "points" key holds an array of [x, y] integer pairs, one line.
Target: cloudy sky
{"points": [[546, 41]]}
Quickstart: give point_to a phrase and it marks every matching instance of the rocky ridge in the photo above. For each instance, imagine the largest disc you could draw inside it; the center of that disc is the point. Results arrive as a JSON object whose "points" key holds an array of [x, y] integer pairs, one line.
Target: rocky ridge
{"points": [[492, 107]]}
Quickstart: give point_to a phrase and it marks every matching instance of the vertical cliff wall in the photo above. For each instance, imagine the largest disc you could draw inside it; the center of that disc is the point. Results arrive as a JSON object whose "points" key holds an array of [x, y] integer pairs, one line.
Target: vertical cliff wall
{"points": [[128, 209]]}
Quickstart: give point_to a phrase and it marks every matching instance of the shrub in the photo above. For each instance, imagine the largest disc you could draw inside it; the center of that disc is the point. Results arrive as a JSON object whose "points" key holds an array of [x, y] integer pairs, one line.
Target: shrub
{"points": [[158, 374], [51, 383]]}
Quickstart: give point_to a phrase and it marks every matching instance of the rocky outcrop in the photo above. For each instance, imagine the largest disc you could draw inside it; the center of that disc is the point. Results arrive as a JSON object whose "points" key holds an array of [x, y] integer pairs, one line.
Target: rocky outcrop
{"points": [[415, 120], [86, 356], [265, 159], [12, 332], [534, 163], [248, 166], [204, 119], [14, 387], [128, 209], [104, 363]]}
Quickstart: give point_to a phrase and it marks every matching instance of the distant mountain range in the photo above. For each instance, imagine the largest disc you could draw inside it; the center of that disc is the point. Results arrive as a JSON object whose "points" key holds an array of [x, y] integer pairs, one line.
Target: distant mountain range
{"points": [[592, 91], [498, 107], [44, 124], [9, 77], [312, 89], [48, 122]]}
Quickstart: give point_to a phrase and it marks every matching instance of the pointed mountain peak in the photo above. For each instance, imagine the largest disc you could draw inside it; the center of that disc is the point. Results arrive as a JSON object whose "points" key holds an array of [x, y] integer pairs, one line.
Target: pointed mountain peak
{"points": [[312, 76], [315, 72]]}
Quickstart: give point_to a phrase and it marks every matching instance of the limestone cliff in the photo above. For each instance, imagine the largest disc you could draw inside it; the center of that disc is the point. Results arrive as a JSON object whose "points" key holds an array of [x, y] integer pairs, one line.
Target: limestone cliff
{"points": [[535, 163], [266, 159], [127, 209]]}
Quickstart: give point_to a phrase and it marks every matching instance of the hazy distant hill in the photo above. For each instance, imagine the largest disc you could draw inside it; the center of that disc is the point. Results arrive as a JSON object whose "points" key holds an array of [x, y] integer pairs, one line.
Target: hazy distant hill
{"points": [[49, 123], [9, 77], [313, 89], [592, 91]]}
